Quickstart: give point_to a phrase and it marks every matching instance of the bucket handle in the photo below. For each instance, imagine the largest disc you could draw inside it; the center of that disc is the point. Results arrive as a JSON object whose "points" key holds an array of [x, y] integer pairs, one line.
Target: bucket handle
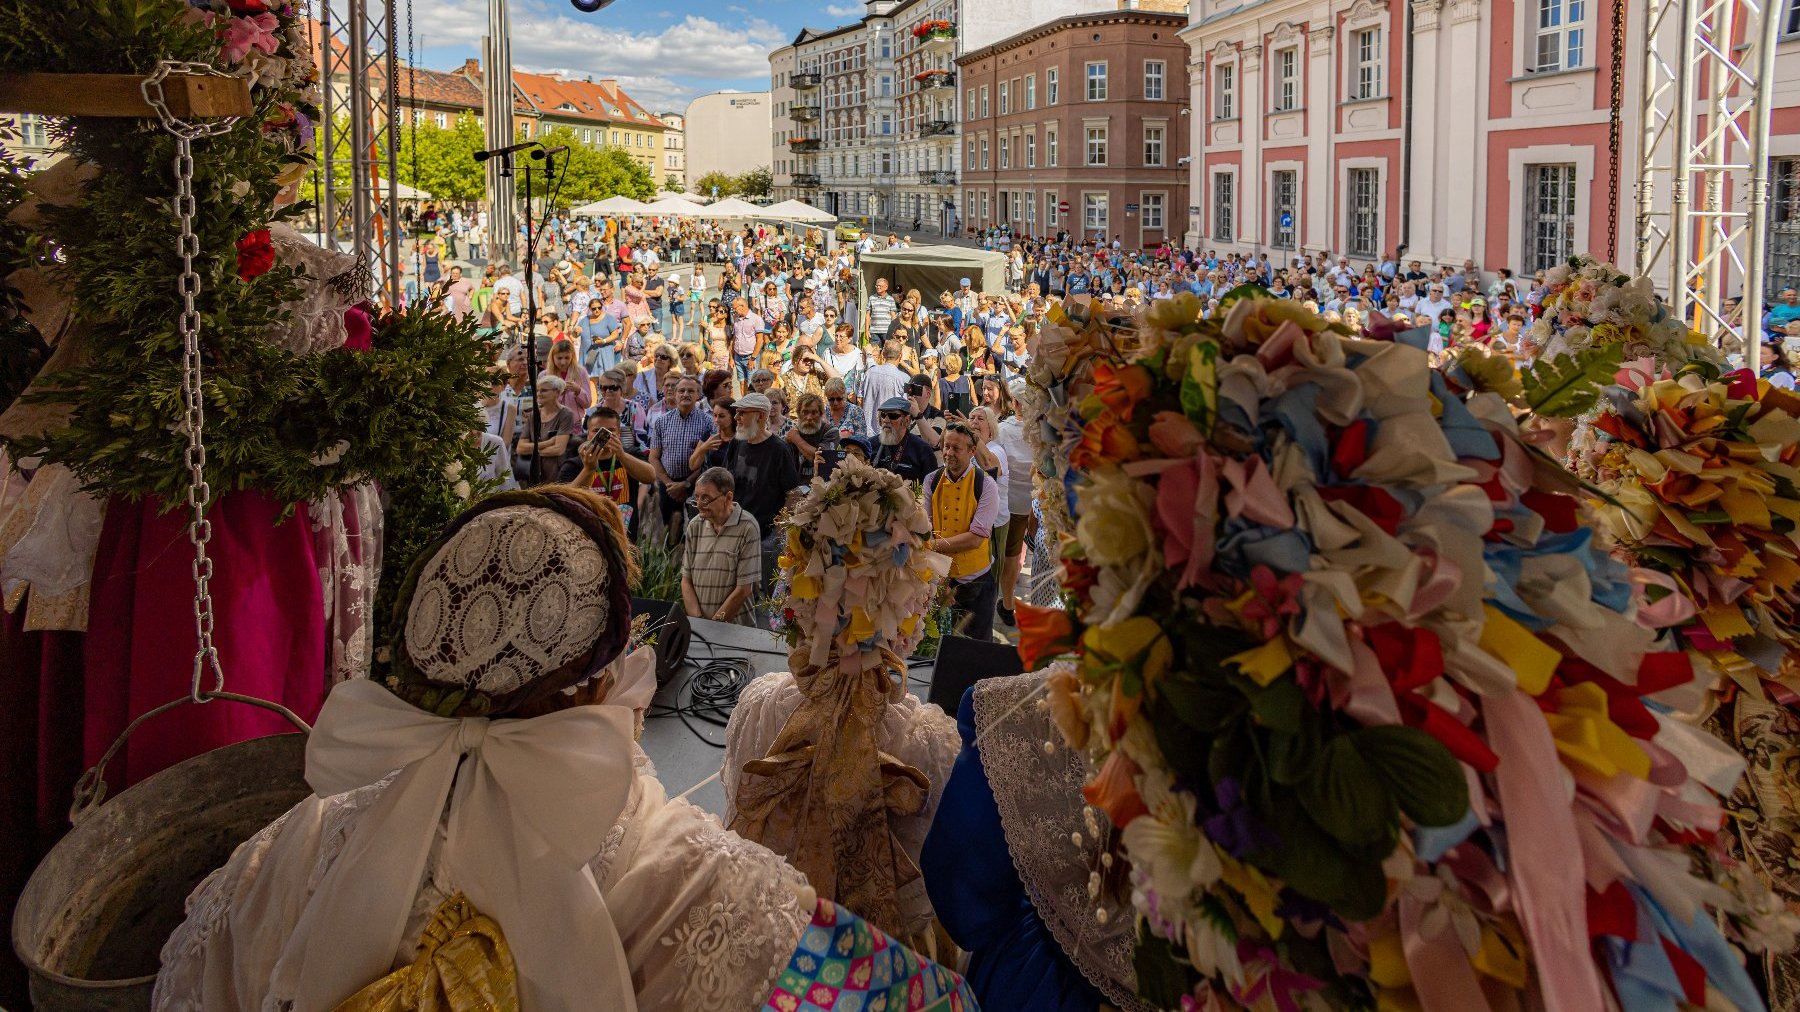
{"points": [[90, 790]]}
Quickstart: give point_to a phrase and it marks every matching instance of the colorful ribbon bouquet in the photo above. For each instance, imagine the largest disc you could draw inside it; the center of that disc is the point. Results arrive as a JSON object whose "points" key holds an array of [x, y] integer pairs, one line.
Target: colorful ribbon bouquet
{"points": [[1373, 717]]}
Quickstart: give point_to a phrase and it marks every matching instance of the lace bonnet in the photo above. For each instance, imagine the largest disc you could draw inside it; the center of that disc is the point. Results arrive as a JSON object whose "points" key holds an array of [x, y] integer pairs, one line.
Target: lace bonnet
{"points": [[524, 595]]}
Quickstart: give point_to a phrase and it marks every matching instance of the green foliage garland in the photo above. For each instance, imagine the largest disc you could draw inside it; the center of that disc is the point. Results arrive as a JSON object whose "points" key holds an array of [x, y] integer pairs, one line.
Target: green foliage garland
{"points": [[296, 427]]}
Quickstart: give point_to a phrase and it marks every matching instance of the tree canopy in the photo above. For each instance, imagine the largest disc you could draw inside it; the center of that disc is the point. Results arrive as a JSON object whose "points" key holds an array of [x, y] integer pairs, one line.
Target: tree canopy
{"points": [[598, 173], [441, 160], [758, 182]]}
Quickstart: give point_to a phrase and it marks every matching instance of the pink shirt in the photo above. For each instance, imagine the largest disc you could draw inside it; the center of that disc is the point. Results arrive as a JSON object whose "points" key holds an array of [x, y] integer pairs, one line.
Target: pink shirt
{"points": [[636, 302]]}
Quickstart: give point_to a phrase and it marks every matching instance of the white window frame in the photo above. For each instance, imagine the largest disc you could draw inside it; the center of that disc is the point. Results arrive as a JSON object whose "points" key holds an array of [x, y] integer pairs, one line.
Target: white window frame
{"points": [[1157, 72], [1790, 19], [970, 160], [1161, 150], [1563, 180], [1224, 87], [1091, 201], [969, 105], [1276, 205], [1005, 99], [1158, 199], [1051, 213], [1092, 133], [1284, 83], [1051, 148], [1030, 92], [984, 101], [1365, 63], [1006, 152], [1583, 157], [1052, 85], [1565, 25], [1090, 79], [1031, 151], [984, 152]]}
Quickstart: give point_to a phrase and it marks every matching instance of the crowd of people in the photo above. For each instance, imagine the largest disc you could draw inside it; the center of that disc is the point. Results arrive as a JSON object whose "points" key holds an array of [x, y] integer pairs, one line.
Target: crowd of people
{"points": [[701, 375]]}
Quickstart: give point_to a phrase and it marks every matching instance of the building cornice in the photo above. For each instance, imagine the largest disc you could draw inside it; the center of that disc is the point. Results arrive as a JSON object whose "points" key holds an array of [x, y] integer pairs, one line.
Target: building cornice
{"points": [[1095, 20]]}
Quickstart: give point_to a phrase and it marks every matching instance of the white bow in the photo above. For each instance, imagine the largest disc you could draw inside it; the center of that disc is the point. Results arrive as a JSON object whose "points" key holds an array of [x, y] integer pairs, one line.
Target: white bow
{"points": [[531, 807]]}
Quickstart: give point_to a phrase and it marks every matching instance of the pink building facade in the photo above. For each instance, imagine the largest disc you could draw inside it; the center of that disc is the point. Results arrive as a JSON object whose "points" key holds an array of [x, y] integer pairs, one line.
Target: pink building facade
{"points": [[1458, 129]]}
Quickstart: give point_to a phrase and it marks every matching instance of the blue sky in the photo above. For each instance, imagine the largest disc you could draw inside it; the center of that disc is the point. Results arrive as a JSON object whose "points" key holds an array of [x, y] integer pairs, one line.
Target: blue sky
{"points": [[663, 53]]}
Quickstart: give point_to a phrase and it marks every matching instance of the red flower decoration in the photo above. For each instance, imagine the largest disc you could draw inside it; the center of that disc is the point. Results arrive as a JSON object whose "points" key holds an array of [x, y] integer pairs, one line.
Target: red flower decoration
{"points": [[255, 254], [248, 6]]}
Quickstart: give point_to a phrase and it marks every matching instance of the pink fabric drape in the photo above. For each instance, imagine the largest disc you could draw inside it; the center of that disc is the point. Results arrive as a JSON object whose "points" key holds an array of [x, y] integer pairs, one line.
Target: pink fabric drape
{"points": [[270, 630]]}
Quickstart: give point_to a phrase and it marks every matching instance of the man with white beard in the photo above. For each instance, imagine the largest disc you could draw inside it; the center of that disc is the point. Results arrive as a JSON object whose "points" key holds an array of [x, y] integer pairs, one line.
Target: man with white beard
{"points": [[764, 470], [899, 450]]}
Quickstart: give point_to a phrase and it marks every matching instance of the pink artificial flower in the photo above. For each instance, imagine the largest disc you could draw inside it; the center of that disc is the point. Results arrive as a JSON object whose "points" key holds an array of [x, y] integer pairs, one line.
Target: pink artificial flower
{"points": [[258, 32]]}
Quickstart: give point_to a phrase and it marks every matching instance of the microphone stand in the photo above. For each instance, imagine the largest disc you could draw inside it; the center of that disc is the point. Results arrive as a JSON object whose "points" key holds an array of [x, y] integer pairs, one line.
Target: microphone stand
{"points": [[532, 229]]}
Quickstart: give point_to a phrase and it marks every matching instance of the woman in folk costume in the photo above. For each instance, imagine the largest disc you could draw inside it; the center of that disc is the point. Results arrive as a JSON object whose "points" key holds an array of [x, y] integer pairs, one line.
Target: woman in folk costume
{"points": [[486, 834], [834, 764]]}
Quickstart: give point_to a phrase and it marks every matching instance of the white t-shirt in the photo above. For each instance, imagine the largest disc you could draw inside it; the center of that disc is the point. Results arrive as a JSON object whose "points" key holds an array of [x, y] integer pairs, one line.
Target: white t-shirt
{"points": [[1017, 452], [1432, 309]]}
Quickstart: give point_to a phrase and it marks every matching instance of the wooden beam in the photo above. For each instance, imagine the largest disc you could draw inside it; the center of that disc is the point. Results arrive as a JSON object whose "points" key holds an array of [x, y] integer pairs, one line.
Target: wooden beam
{"points": [[190, 96]]}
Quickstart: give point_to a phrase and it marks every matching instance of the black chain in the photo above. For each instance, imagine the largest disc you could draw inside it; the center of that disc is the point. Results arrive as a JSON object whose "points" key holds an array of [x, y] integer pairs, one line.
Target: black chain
{"points": [[1612, 131]]}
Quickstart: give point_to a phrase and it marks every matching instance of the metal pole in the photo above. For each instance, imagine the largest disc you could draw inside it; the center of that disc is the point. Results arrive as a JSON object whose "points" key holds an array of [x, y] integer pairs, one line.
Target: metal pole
{"points": [[1760, 125], [391, 110], [531, 359], [1714, 237], [329, 133], [359, 123], [497, 121], [1680, 224]]}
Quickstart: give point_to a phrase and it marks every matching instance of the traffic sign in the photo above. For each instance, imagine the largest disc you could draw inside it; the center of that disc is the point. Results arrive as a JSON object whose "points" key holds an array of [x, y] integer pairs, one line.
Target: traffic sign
{"points": [[1131, 207], [1287, 219], [1063, 206]]}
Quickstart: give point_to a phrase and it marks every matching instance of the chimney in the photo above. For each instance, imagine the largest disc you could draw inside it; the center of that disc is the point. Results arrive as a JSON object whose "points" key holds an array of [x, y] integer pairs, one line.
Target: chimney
{"points": [[472, 66]]}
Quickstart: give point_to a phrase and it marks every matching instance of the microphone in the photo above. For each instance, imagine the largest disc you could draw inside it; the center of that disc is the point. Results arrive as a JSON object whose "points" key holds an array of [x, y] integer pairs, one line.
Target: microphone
{"points": [[542, 153], [482, 156]]}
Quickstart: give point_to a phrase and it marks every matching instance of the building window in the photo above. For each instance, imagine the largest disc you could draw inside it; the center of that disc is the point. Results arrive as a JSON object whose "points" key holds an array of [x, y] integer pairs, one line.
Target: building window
{"points": [[1368, 64], [1031, 151], [1031, 89], [1790, 19], [32, 131], [1287, 79], [969, 106], [1784, 222], [1093, 212], [984, 206], [1050, 208], [969, 163], [443, 120], [1096, 81], [1224, 78], [1050, 148], [1154, 73], [886, 84], [1224, 206], [1096, 145], [1006, 152], [1153, 147], [984, 152], [1151, 206], [1365, 213], [1005, 99], [1286, 184], [1561, 35], [887, 45], [1549, 215], [887, 123], [1052, 87], [984, 101]]}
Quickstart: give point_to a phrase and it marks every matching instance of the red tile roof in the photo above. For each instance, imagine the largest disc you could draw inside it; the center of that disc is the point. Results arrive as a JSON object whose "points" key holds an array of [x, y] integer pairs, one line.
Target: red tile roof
{"points": [[584, 100]]}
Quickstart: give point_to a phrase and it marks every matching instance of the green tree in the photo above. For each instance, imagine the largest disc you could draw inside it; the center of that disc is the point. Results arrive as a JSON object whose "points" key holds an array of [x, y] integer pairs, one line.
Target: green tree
{"points": [[672, 183], [595, 173], [441, 161], [758, 182], [725, 184]]}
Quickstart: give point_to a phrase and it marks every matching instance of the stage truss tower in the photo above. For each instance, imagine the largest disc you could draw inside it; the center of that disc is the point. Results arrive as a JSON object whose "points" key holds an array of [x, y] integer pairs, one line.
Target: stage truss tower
{"points": [[359, 203], [1703, 179], [497, 121]]}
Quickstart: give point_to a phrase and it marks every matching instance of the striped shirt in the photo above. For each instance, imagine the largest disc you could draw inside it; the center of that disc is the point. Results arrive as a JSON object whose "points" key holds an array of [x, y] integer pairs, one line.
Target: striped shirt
{"points": [[718, 560], [674, 437], [881, 314]]}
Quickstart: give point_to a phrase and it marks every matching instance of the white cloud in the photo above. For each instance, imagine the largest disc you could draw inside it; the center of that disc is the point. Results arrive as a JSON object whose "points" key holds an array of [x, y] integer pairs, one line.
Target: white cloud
{"points": [[670, 64], [845, 10]]}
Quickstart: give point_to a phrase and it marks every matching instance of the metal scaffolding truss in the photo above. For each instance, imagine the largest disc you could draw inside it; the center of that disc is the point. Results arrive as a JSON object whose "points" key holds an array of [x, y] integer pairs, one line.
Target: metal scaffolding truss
{"points": [[360, 203], [497, 122], [1707, 98]]}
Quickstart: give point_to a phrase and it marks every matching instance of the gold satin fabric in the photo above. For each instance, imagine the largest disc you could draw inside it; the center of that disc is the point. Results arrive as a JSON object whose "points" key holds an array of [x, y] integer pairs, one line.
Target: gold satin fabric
{"points": [[463, 965]]}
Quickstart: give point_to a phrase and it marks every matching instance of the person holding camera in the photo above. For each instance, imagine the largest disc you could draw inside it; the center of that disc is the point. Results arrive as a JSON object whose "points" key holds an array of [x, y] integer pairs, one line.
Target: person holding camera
{"points": [[601, 462], [899, 450]]}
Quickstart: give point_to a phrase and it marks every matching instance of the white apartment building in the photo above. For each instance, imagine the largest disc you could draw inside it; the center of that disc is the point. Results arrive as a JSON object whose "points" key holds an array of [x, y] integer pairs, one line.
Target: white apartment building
{"points": [[782, 98], [674, 160]]}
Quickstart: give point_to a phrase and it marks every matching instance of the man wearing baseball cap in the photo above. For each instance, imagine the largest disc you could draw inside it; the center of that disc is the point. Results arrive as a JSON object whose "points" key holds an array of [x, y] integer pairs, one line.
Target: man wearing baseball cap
{"points": [[899, 450], [764, 471], [967, 300]]}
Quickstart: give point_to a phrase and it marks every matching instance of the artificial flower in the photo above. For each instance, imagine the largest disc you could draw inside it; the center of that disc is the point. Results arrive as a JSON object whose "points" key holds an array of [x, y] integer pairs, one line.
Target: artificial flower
{"points": [[1115, 527], [256, 32], [1043, 633], [1114, 790], [1121, 388], [1106, 438], [1063, 690], [1137, 644], [1175, 435], [255, 254]]}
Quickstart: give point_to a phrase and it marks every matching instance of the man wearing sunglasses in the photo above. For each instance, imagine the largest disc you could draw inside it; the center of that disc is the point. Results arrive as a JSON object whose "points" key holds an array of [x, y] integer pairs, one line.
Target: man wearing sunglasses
{"points": [[899, 450]]}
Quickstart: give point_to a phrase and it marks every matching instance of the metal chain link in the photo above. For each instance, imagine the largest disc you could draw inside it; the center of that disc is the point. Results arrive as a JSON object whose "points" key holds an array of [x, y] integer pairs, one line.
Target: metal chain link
{"points": [[1613, 129], [199, 495]]}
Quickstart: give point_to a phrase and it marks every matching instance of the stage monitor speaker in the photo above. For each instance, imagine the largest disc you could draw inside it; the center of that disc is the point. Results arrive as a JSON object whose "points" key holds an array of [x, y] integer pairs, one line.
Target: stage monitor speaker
{"points": [[672, 632], [961, 662]]}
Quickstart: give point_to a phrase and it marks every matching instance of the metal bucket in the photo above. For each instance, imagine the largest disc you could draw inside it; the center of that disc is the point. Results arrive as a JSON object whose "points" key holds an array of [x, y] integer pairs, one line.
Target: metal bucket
{"points": [[91, 923]]}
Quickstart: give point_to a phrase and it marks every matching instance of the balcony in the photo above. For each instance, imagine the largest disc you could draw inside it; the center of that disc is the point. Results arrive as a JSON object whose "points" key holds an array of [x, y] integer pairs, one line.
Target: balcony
{"points": [[804, 113], [935, 80], [804, 145], [937, 177], [937, 128], [806, 180], [936, 37], [806, 82]]}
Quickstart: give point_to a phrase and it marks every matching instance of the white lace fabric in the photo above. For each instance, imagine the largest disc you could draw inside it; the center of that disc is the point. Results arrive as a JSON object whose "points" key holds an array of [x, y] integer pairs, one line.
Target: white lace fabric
{"points": [[315, 322], [48, 538], [516, 592], [1038, 793], [708, 919], [919, 734], [347, 541]]}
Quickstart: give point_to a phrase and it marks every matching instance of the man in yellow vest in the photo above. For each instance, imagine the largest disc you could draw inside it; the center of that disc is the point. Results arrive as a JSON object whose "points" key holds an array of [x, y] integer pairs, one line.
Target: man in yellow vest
{"points": [[964, 503]]}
